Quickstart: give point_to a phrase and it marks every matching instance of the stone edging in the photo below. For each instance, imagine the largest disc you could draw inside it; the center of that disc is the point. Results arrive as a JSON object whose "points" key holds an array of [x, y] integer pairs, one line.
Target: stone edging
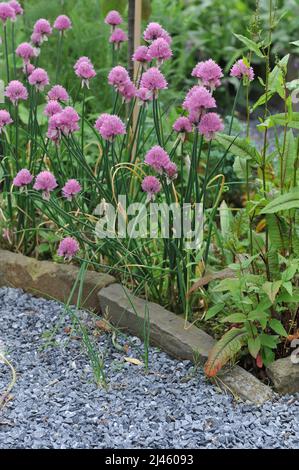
{"points": [[167, 330]]}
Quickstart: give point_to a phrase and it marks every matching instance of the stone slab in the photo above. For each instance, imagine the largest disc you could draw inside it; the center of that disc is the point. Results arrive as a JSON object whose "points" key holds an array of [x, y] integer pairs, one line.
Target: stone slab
{"points": [[50, 280], [284, 375]]}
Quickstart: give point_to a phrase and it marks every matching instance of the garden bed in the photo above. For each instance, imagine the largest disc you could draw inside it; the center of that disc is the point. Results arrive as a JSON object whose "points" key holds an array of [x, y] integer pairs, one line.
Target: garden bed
{"points": [[167, 330], [142, 187]]}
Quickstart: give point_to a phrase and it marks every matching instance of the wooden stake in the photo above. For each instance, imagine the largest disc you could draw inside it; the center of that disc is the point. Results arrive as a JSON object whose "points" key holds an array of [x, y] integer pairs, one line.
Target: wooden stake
{"points": [[137, 38]]}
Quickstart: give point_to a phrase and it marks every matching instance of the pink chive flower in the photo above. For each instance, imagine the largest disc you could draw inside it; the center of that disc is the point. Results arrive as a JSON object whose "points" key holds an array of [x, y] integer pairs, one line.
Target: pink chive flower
{"points": [[160, 50], [157, 158], [129, 91], [241, 70], [100, 121], [5, 119], [46, 183], [144, 96], [118, 77], [210, 124], [23, 178], [68, 248], [15, 91], [155, 31], [6, 12], [153, 80], [182, 125], [28, 69], [117, 37], [71, 189], [109, 126], [58, 93], [85, 71], [36, 39], [25, 51], [151, 185], [141, 55], [197, 101], [113, 18], [39, 78], [69, 120], [43, 28], [52, 107], [171, 171], [17, 7], [62, 23], [80, 60], [63, 123], [208, 73]]}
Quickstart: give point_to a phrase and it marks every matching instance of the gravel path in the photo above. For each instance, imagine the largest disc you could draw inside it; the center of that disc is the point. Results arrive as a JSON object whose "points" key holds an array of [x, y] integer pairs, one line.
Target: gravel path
{"points": [[55, 403]]}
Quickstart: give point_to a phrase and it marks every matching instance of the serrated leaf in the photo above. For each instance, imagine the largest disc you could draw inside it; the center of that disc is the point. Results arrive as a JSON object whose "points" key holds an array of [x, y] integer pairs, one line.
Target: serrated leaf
{"points": [[225, 349], [254, 346], [278, 327]]}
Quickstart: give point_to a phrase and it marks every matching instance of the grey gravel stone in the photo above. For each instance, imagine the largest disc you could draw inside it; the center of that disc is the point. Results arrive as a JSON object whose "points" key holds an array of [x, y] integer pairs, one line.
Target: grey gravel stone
{"points": [[56, 404]]}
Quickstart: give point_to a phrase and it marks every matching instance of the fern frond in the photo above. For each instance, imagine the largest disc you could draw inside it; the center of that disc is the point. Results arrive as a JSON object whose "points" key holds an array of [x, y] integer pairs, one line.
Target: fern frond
{"points": [[226, 348]]}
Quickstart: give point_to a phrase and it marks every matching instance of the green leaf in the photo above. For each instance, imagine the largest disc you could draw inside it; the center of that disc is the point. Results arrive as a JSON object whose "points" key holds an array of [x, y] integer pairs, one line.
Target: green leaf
{"points": [[238, 147], [229, 284], [278, 327], [254, 346], [261, 317], [268, 340], [278, 231], [251, 45], [276, 85], [272, 289], [290, 272], [289, 159], [240, 167], [276, 76], [284, 202], [262, 100], [43, 248], [212, 312], [288, 287], [235, 318], [273, 261], [292, 121], [268, 356]]}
